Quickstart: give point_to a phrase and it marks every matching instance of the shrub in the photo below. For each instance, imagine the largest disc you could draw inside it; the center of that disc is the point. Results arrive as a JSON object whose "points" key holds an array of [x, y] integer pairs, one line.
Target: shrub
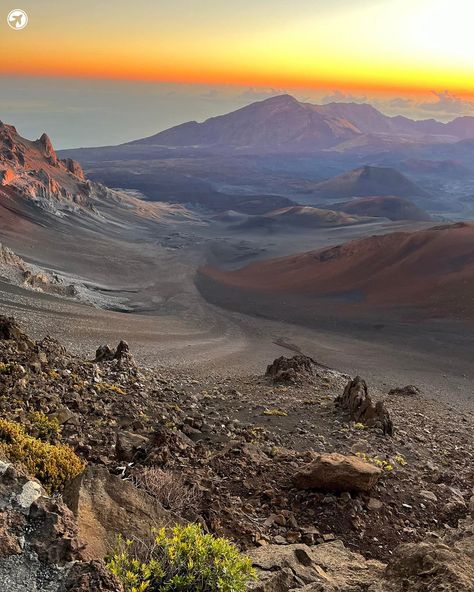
{"points": [[52, 464], [169, 489], [183, 560]]}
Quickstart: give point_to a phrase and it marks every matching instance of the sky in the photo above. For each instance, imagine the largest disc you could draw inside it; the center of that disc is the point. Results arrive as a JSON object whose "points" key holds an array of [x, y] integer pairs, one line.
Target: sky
{"points": [[103, 72]]}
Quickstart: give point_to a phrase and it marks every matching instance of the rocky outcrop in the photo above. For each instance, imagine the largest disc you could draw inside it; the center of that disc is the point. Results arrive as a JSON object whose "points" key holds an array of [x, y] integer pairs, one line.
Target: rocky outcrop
{"points": [[328, 567], [291, 370], [10, 330], [431, 567], [31, 169], [210, 436], [357, 402], [121, 354], [90, 577], [6, 176], [337, 473], [74, 168], [106, 506]]}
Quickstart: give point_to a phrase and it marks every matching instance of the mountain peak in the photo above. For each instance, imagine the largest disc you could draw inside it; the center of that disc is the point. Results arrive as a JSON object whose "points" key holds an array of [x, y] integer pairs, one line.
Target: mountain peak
{"points": [[282, 124], [284, 99], [367, 181], [47, 145]]}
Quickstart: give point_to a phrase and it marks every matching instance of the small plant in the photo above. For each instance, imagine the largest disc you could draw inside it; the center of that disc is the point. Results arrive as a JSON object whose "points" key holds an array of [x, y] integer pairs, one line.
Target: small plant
{"points": [[359, 426], [106, 386], [385, 465], [45, 428], [275, 412], [183, 560], [52, 464], [400, 460]]}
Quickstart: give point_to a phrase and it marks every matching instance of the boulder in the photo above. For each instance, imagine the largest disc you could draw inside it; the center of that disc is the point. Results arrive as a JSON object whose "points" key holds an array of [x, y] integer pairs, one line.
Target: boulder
{"points": [[405, 391], [357, 402], [337, 473], [105, 506]]}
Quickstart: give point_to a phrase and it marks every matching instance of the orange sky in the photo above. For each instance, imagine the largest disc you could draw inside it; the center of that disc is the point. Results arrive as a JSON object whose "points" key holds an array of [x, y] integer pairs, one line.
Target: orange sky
{"points": [[375, 45]]}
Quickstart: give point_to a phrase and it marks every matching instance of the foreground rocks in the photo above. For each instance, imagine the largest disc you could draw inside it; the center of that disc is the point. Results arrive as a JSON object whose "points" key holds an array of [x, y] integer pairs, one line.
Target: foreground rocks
{"points": [[328, 567], [337, 473], [435, 566], [40, 550], [230, 462]]}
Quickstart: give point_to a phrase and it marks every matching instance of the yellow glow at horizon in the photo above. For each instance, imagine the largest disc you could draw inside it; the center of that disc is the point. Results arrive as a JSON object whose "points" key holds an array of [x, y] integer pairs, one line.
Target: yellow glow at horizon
{"points": [[389, 43]]}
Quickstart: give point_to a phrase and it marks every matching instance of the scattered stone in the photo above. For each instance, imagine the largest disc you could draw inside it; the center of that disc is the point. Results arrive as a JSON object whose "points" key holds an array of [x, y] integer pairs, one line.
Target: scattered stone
{"points": [[129, 445], [428, 495], [374, 504]]}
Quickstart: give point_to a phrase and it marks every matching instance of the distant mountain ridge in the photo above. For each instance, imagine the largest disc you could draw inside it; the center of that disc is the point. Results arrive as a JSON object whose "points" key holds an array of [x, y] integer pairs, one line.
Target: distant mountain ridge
{"points": [[283, 123]]}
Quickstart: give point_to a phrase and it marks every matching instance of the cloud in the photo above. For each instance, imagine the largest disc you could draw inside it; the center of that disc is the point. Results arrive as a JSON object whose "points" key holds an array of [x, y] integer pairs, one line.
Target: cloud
{"points": [[339, 96], [448, 103], [257, 94], [399, 103]]}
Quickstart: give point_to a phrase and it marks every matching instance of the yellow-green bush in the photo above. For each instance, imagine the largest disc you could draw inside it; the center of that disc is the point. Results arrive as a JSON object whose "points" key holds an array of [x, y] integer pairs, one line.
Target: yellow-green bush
{"points": [[52, 464], [182, 560], [47, 429]]}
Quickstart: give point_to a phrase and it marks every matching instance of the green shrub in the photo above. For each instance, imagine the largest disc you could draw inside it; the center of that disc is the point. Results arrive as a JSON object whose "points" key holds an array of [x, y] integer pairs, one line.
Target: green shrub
{"points": [[183, 560], [52, 464]]}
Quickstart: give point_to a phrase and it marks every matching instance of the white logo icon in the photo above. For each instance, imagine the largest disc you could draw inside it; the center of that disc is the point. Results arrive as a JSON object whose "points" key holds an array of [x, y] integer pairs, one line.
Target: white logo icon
{"points": [[17, 19]]}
